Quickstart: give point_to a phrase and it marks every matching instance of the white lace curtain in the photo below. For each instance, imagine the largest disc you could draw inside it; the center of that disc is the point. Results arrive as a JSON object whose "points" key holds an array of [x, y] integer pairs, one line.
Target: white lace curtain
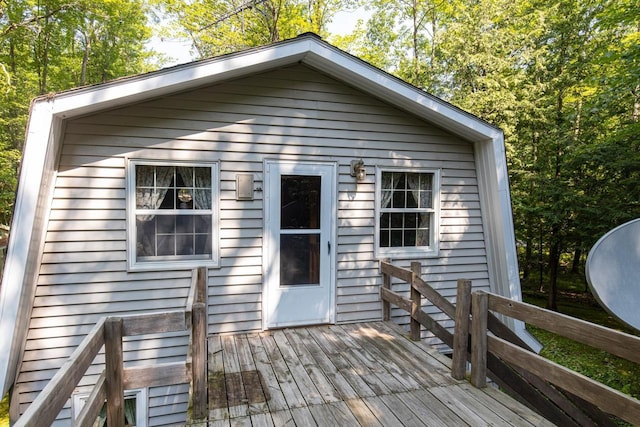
{"points": [[387, 185], [415, 183], [151, 187], [152, 184]]}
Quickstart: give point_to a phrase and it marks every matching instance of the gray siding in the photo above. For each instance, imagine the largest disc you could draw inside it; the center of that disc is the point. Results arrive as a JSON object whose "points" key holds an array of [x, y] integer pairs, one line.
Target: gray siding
{"points": [[292, 113]]}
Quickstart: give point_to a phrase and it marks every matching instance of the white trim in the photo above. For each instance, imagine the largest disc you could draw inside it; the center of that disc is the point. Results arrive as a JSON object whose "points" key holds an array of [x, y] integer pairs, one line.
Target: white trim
{"points": [[409, 252], [499, 234], [132, 263], [24, 239], [142, 405], [269, 246]]}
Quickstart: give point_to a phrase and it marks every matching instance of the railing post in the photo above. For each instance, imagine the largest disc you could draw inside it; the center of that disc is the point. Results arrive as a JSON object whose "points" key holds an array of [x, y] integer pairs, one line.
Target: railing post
{"points": [[113, 371], [199, 359], [386, 283], [201, 285], [416, 301], [479, 313], [461, 330]]}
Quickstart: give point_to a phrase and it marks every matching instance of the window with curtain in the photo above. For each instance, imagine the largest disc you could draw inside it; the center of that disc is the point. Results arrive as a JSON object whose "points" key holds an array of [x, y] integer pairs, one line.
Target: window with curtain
{"points": [[173, 213], [135, 408], [407, 213]]}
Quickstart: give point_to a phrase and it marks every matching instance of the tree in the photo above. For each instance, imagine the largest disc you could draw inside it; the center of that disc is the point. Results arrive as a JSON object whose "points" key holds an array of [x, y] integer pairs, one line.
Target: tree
{"points": [[222, 26], [560, 78], [53, 45]]}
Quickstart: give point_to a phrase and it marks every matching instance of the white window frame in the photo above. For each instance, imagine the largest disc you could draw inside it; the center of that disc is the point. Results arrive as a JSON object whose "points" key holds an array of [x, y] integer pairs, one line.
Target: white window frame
{"points": [[142, 404], [151, 265], [410, 252]]}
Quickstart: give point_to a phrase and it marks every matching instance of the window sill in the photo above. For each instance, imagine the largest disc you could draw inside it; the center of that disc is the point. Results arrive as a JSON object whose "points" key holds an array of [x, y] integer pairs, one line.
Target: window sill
{"points": [[406, 253], [171, 265]]}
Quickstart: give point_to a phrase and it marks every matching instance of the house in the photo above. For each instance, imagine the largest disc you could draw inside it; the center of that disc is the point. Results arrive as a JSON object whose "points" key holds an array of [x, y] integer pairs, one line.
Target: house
{"points": [[288, 171]]}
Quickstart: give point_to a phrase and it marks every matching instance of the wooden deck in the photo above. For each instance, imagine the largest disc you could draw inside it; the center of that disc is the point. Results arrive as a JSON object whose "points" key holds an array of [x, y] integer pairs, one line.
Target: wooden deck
{"points": [[365, 374]]}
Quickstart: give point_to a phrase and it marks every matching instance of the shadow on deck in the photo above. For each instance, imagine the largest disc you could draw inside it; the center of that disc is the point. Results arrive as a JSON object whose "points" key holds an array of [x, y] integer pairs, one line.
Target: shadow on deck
{"points": [[366, 374]]}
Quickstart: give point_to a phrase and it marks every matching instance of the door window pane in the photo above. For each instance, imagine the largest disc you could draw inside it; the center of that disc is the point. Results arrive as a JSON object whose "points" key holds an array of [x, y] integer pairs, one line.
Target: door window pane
{"points": [[299, 259], [300, 202]]}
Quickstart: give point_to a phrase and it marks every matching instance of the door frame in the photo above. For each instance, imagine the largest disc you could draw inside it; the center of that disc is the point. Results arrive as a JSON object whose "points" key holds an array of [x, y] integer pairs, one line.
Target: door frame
{"points": [[269, 230]]}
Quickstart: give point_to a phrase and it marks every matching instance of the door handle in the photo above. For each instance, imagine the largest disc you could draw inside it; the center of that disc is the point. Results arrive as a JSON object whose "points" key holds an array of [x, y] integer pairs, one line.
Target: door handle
{"points": [[329, 248]]}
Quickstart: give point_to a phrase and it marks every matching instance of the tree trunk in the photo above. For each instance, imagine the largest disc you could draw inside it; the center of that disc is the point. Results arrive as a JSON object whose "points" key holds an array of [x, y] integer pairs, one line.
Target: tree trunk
{"points": [[540, 261], [577, 256], [554, 263], [85, 59]]}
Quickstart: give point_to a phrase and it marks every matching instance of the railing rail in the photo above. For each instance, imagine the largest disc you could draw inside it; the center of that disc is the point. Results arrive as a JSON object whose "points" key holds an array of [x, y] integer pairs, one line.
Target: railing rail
{"points": [[614, 342], [558, 406], [115, 378]]}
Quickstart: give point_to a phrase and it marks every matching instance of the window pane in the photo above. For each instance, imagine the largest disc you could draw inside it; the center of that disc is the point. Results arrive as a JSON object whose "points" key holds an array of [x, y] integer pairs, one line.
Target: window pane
{"points": [[397, 220], [426, 199], [184, 224], [299, 259], [410, 220], [146, 236], [165, 198], [423, 237], [145, 198], [203, 244], [203, 177], [145, 176], [399, 199], [166, 245], [396, 238], [384, 220], [386, 199], [185, 176], [384, 238], [184, 244], [202, 199], [166, 224], [409, 238], [300, 202], [412, 199], [425, 220], [185, 198]]}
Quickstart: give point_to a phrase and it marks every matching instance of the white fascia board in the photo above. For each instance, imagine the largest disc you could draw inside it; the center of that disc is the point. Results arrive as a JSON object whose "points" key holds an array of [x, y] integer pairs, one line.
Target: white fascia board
{"points": [[366, 77], [21, 238], [177, 79], [497, 217]]}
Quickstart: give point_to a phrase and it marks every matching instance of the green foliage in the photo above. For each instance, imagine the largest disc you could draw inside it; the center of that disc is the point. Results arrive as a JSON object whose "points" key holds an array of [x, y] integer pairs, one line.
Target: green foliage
{"points": [[561, 78], [53, 45], [217, 27], [4, 412], [598, 365]]}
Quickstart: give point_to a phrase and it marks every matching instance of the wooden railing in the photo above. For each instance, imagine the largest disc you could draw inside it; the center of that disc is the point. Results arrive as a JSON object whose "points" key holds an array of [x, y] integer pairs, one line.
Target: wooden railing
{"points": [[115, 378], [558, 399], [614, 342]]}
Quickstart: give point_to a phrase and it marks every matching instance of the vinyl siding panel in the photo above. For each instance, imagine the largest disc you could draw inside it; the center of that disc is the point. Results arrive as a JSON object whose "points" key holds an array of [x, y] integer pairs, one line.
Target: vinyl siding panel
{"points": [[292, 113]]}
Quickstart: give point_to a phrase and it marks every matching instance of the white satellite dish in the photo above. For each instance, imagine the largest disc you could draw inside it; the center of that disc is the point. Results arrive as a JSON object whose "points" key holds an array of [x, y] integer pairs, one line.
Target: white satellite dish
{"points": [[613, 272]]}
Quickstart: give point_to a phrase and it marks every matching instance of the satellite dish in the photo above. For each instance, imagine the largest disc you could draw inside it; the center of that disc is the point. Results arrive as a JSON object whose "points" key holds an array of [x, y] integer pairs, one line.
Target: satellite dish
{"points": [[613, 272]]}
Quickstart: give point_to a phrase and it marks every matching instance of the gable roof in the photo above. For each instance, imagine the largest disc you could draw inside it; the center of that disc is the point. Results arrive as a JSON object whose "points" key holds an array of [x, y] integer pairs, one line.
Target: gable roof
{"points": [[48, 114]]}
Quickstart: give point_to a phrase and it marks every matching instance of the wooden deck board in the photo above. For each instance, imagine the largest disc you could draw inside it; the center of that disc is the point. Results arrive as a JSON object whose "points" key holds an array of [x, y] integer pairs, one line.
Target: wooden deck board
{"points": [[367, 374]]}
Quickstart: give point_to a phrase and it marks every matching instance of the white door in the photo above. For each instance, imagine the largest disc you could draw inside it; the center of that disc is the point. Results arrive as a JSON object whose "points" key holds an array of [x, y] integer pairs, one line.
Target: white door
{"points": [[300, 211]]}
